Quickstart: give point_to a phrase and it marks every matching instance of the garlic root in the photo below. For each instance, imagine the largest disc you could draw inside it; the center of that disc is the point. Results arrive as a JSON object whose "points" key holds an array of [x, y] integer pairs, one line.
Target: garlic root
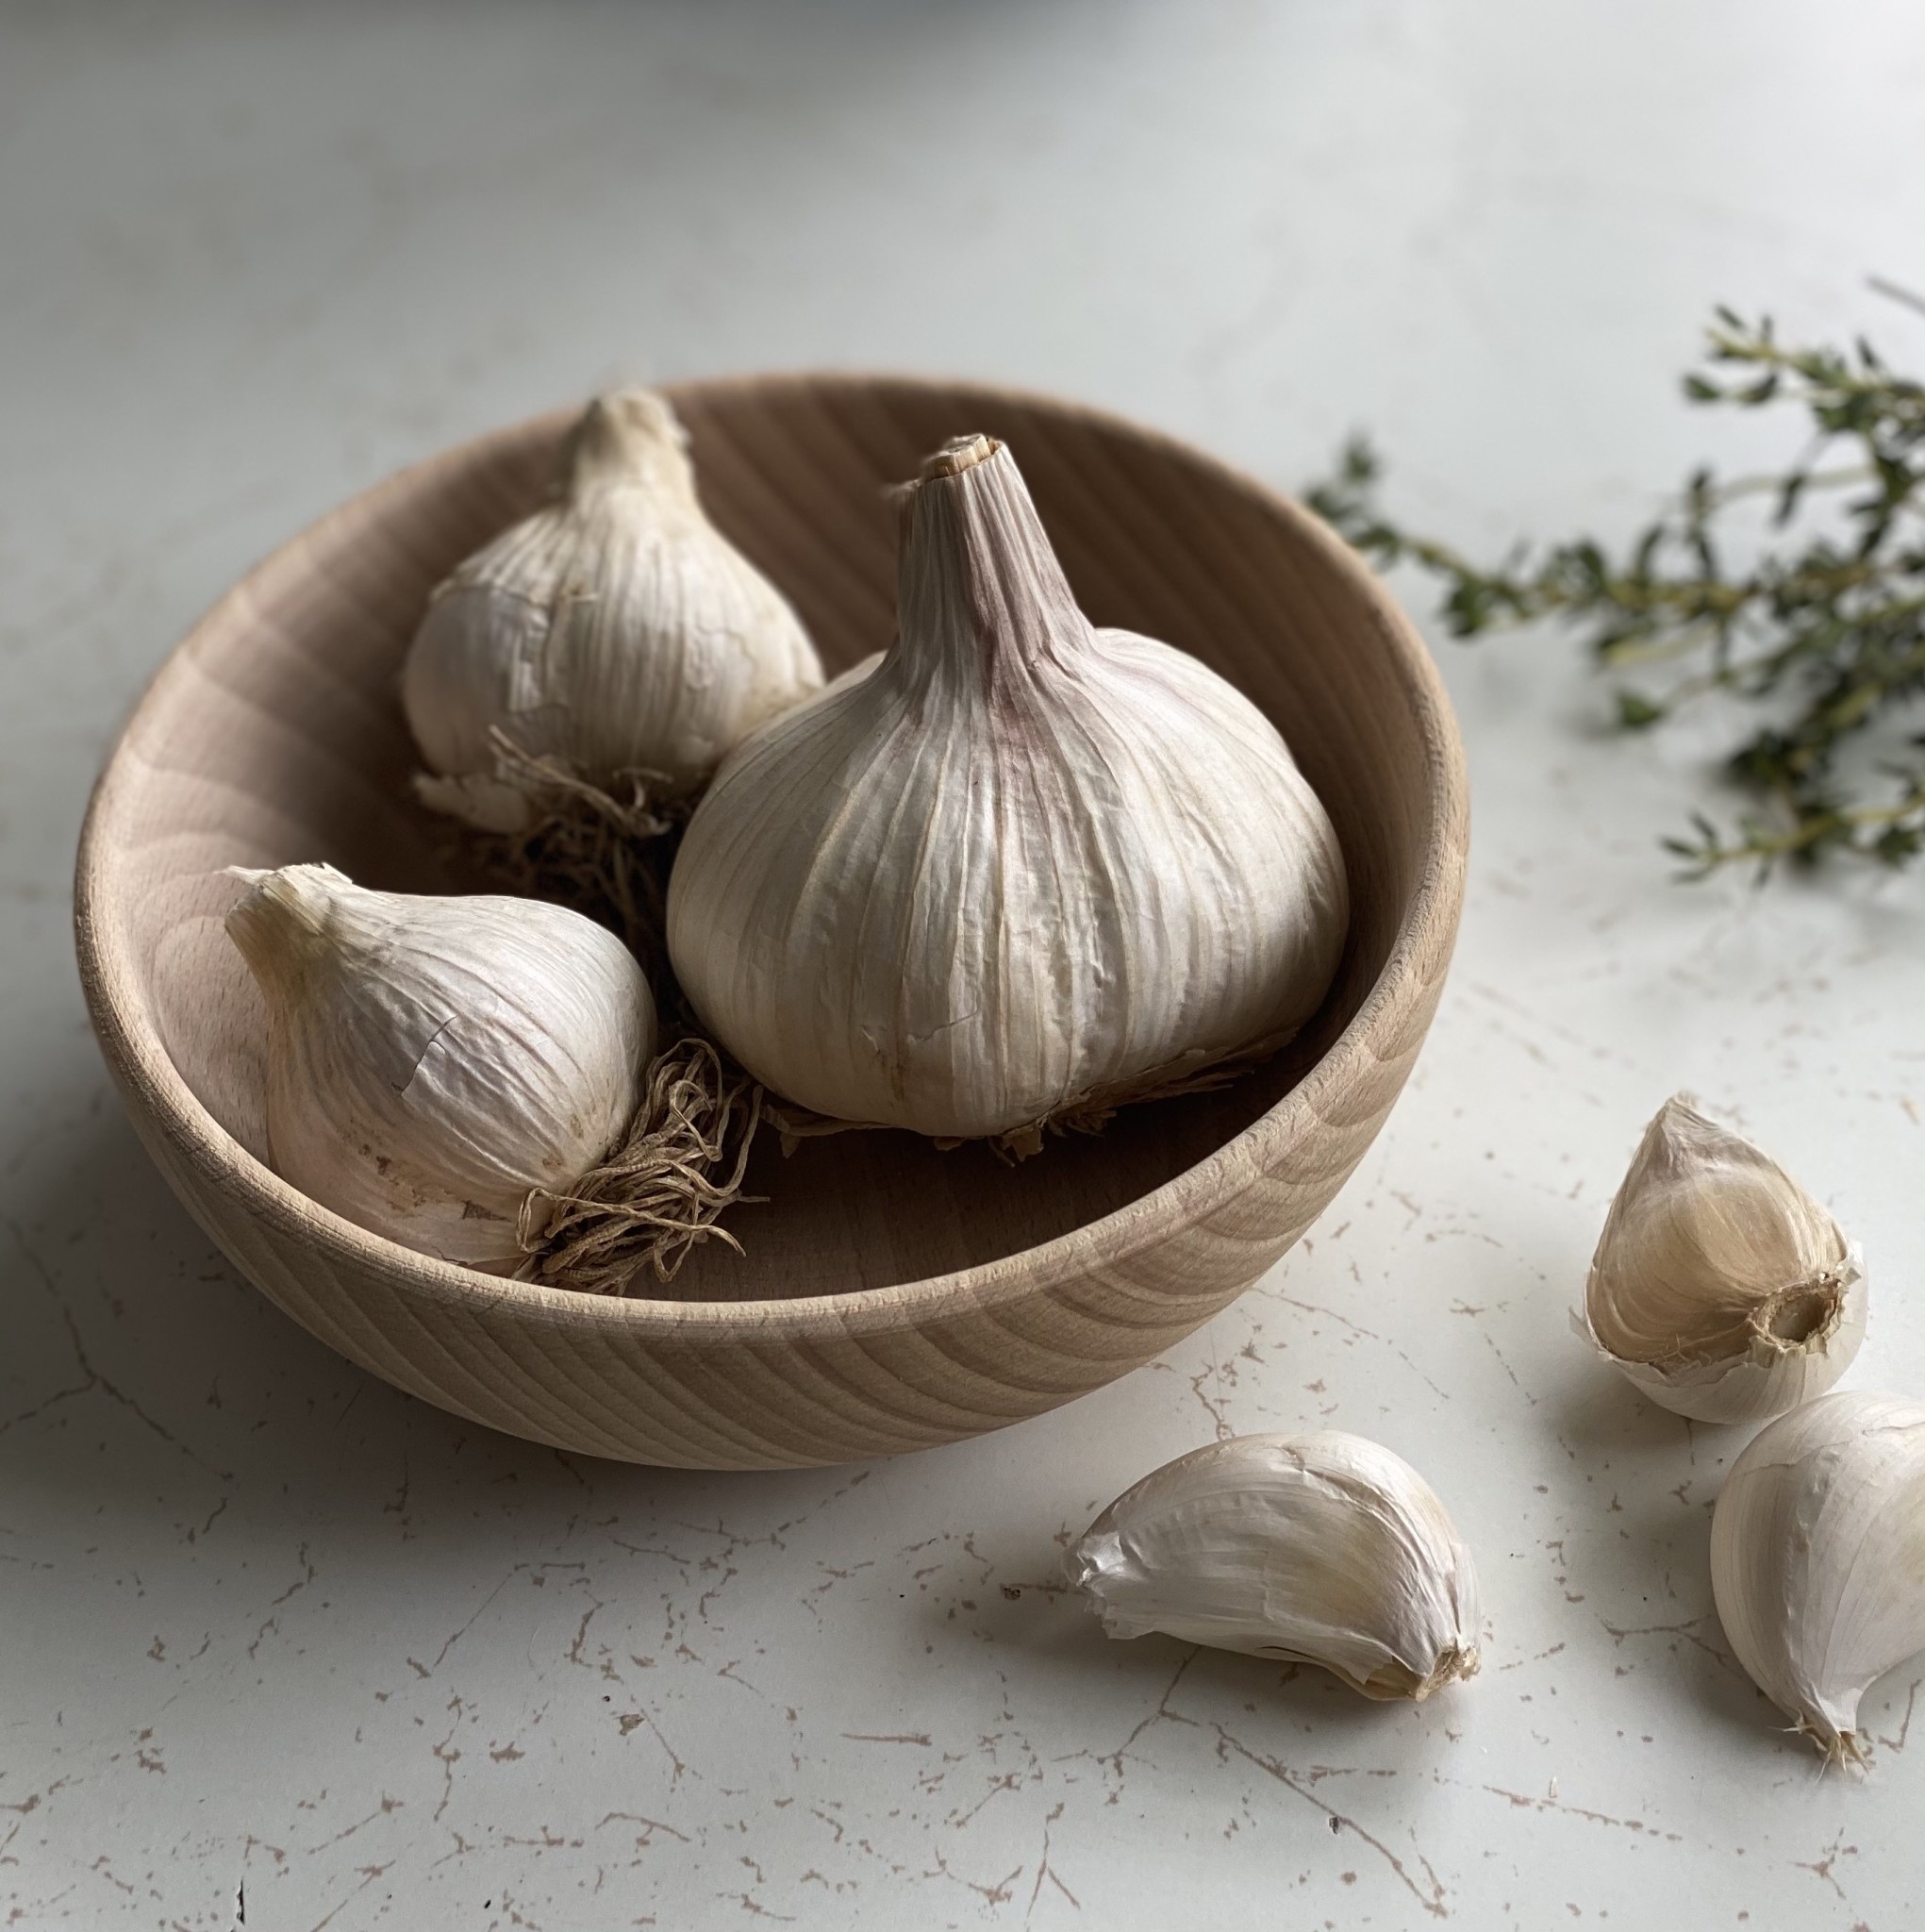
{"points": [[605, 854], [658, 1194]]}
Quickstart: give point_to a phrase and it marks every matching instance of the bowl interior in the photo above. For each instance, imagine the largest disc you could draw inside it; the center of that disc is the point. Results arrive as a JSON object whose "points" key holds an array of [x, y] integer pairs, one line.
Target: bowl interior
{"points": [[275, 735]]}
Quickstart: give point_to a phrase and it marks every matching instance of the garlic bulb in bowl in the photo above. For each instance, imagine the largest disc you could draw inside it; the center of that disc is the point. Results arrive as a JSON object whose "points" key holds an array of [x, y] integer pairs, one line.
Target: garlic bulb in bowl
{"points": [[1719, 1287], [434, 1062], [615, 633], [1023, 870]]}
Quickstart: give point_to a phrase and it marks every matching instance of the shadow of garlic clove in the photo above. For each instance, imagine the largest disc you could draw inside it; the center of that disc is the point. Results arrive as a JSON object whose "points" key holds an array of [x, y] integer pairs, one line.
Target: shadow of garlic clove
{"points": [[1719, 1287], [1322, 1548], [1818, 1558]]}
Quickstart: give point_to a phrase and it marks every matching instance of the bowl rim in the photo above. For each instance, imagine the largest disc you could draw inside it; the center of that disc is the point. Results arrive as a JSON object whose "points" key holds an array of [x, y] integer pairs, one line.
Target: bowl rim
{"points": [[156, 1089]]}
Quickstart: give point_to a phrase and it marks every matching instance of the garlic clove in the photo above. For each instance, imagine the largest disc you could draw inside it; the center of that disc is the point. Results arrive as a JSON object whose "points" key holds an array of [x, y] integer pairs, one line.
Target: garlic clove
{"points": [[1322, 1548], [616, 632], [1818, 1558], [1023, 870], [486, 803], [432, 1062], [1719, 1287]]}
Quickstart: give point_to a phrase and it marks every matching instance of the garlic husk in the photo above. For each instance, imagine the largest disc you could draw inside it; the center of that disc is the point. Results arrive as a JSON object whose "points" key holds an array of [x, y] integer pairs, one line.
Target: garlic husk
{"points": [[1021, 869], [615, 634], [1719, 1287], [1322, 1548], [432, 1062], [1818, 1558]]}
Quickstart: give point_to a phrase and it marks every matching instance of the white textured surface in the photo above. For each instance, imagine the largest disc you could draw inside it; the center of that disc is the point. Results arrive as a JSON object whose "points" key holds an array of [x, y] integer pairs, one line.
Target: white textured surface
{"points": [[265, 1623]]}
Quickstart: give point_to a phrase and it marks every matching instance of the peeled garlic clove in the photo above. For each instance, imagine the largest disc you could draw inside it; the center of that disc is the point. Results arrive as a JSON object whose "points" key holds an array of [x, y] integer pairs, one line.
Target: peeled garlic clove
{"points": [[1022, 868], [431, 1061], [617, 630], [1322, 1548], [1818, 1558], [1719, 1287]]}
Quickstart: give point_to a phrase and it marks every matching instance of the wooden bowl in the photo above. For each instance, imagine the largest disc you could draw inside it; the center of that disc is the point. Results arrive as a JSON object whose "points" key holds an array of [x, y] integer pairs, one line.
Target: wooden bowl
{"points": [[891, 1297]]}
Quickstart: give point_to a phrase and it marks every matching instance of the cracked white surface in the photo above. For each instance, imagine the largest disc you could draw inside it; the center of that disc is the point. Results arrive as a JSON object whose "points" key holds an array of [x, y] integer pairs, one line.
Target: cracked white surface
{"points": [[272, 1633]]}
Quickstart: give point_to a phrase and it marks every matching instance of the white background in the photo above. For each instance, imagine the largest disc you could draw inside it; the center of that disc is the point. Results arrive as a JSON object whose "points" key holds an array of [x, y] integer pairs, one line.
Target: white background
{"points": [[265, 1622]]}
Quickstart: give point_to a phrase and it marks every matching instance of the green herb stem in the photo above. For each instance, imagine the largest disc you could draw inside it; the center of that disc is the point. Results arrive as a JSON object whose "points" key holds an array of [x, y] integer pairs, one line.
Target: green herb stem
{"points": [[1822, 630]]}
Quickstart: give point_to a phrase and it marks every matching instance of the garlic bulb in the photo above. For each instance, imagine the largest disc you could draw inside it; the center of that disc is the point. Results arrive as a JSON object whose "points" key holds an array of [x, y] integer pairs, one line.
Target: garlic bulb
{"points": [[1719, 1287], [1322, 1548], [616, 631], [431, 1062], [1024, 868], [1818, 1558]]}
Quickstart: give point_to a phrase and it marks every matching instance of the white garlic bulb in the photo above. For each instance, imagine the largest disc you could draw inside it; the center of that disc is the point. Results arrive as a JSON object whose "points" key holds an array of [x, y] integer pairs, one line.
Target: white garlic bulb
{"points": [[1719, 1287], [431, 1062], [1322, 1548], [1818, 1558], [1025, 867], [616, 631]]}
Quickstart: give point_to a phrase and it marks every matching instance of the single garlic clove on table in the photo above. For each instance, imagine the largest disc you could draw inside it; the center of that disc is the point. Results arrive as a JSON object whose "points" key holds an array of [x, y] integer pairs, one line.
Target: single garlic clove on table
{"points": [[1322, 1548], [431, 1062], [1023, 870], [614, 632], [1719, 1287], [1818, 1558]]}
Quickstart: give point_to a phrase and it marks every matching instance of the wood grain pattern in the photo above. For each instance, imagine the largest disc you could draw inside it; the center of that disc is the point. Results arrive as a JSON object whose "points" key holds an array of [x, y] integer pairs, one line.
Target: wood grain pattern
{"points": [[891, 1297]]}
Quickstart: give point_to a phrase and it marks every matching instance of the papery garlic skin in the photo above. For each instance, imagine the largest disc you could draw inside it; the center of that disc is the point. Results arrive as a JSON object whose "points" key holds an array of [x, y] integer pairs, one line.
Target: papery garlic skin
{"points": [[1322, 1548], [1818, 1558], [616, 632], [431, 1061], [1719, 1287], [1022, 867]]}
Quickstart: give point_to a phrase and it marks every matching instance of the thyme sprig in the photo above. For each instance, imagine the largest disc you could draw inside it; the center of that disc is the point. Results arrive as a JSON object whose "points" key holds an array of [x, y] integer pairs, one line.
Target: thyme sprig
{"points": [[1802, 592]]}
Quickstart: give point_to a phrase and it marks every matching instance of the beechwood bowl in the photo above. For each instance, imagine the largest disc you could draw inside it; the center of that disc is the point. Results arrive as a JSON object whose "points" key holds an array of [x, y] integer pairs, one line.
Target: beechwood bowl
{"points": [[892, 1296]]}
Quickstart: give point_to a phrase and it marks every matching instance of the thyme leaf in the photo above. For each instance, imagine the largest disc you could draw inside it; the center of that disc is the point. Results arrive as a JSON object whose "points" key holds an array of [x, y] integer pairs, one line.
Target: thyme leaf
{"points": [[1800, 594]]}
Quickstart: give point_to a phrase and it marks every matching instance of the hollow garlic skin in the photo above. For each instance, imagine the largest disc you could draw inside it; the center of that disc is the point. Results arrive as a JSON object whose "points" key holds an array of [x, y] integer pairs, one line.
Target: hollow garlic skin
{"points": [[1818, 1558], [1322, 1548], [430, 1061], [1022, 867], [1719, 1287], [615, 631]]}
